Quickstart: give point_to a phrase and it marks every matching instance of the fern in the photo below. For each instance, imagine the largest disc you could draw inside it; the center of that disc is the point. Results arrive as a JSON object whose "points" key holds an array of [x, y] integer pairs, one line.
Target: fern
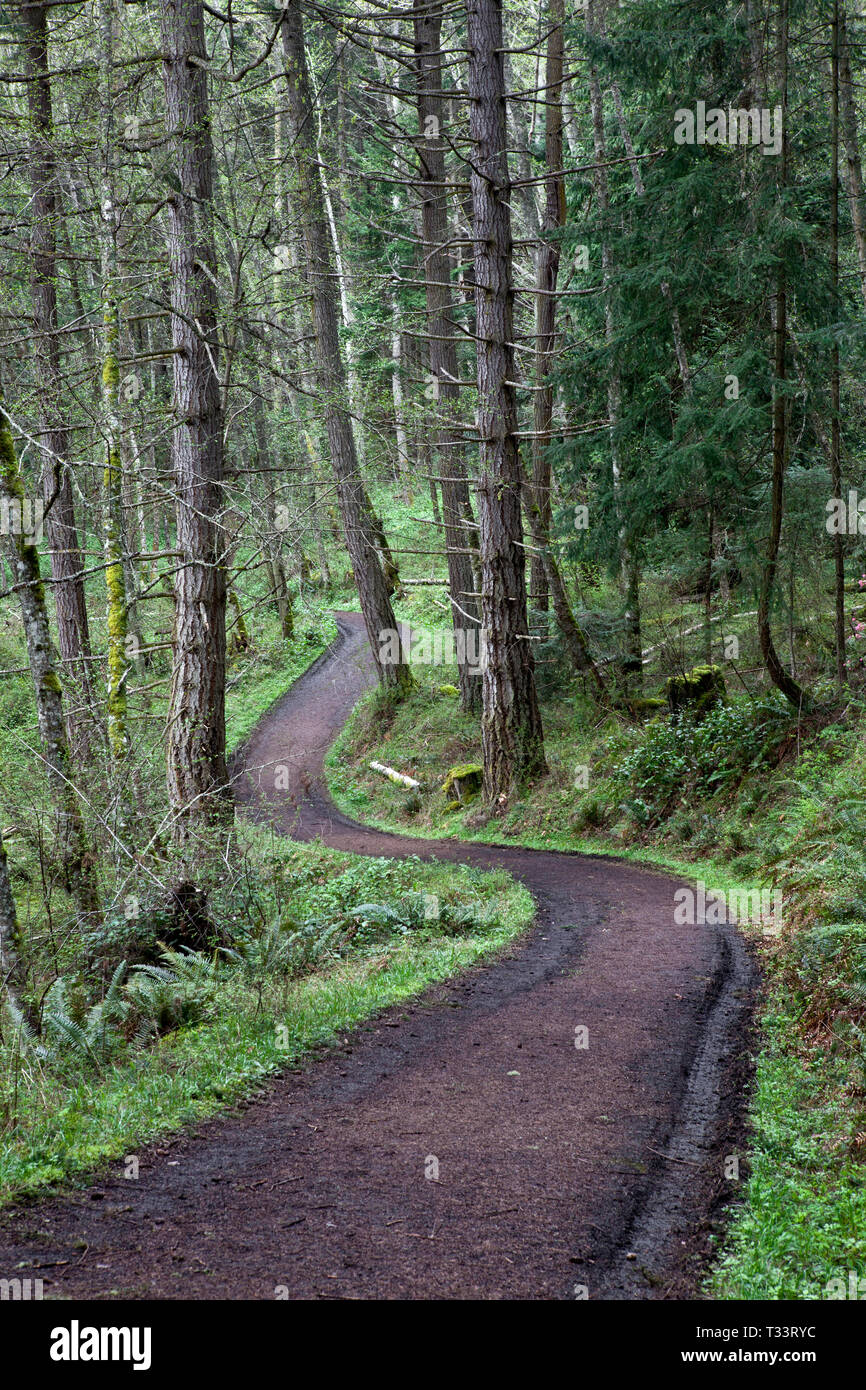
{"points": [[97, 1034], [155, 1000], [71, 1032], [165, 997]]}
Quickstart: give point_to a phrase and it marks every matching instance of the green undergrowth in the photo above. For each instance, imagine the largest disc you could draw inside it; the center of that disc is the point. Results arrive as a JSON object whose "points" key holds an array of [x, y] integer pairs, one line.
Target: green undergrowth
{"points": [[802, 1221]]}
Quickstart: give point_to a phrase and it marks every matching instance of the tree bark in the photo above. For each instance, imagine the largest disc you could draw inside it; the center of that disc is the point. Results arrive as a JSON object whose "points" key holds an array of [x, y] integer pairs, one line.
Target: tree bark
{"points": [[75, 854], [848, 113], [545, 305], [198, 784], [356, 394], [273, 540], [60, 525], [12, 971], [835, 391], [118, 663], [776, 671], [511, 730]]}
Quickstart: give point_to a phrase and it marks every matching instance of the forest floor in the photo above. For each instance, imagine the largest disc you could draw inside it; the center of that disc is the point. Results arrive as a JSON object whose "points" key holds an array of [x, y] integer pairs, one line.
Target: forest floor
{"points": [[467, 1144]]}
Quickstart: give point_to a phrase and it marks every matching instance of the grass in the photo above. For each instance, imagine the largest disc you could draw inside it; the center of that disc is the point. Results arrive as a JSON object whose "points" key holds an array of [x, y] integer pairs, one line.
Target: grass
{"points": [[802, 1222]]}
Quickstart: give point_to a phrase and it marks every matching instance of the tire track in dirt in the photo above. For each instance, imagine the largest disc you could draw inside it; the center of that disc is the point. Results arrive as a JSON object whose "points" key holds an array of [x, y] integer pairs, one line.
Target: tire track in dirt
{"points": [[555, 1163]]}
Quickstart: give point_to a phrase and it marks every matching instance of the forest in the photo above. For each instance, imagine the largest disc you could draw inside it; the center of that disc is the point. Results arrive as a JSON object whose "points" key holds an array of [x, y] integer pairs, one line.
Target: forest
{"points": [[432, 570]]}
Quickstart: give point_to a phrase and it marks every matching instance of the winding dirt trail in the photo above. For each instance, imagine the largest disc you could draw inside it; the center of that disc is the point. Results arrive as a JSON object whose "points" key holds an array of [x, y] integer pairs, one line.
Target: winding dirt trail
{"points": [[563, 1172]]}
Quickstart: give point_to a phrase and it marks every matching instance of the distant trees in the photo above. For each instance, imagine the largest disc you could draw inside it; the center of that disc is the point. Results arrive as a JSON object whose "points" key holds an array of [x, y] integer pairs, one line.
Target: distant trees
{"points": [[355, 507]]}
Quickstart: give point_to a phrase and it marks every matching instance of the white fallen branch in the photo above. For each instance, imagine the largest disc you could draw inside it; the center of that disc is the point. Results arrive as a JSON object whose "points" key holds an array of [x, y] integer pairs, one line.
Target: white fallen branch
{"points": [[399, 777], [686, 632]]}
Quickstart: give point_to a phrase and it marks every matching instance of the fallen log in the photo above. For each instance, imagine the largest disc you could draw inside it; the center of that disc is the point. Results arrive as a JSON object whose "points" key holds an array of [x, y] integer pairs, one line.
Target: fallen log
{"points": [[399, 777]]}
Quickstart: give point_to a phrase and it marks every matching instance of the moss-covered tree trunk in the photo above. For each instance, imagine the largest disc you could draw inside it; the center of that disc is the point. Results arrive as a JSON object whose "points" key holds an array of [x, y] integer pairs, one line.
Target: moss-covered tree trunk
{"points": [[118, 664], [61, 530], [851, 135], [12, 972]]}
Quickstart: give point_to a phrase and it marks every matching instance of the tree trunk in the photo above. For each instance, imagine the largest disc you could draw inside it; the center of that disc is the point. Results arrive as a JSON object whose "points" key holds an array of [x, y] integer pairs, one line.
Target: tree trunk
{"points": [[572, 636], [401, 466], [355, 508], [118, 664], [545, 305], [343, 279], [60, 526], [779, 676], [518, 142], [511, 731], [198, 783], [632, 665], [851, 137], [280, 594], [12, 973], [835, 393], [444, 366], [75, 854]]}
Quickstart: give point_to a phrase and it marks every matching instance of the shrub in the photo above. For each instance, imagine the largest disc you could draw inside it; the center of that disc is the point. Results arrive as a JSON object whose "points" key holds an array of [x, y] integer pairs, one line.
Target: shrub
{"points": [[683, 753]]}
